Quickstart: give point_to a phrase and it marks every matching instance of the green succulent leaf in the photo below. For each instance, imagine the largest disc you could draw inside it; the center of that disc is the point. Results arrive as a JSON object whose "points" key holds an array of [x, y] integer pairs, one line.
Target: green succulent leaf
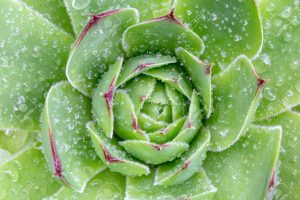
{"points": [[139, 90], [25, 175], [149, 124], [153, 153], [31, 60], [198, 187], [228, 28], [235, 99], [178, 102], [113, 155], [192, 122], [187, 165], [67, 147], [151, 37], [173, 76], [126, 124], [103, 98], [200, 74], [245, 170], [55, 11], [279, 61], [81, 10], [287, 185], [13, 141], [105, 186], [139, 64], [167, 134], [98, 46]]}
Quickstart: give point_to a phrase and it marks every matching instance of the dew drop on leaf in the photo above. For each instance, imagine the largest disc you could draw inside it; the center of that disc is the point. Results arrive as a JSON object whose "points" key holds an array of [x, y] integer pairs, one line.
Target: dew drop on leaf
{"points": [[80, 4], [268, 94]]}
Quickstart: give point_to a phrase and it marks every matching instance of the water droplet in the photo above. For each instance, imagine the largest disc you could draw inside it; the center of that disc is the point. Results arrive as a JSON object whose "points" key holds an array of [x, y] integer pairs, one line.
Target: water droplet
{"points": [[268, 94], [286, 13], [80, 4], [36, 51], [13, 173], [189, 12], [270, 7], [294, 65]]}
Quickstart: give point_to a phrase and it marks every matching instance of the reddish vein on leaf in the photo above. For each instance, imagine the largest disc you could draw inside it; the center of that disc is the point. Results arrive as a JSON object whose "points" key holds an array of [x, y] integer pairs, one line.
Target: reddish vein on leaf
{"points": [[95, 19], [109, 96]]}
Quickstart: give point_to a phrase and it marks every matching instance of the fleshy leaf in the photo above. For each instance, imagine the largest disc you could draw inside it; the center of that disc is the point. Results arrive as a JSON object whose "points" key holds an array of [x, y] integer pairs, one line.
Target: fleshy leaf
{"points": [[174, 76], [192, 122], [67, 147], [25, 175], [159, 95], [280, 58], [235, 99], [139, 90], [149, 124], [13, 141], [105, 186], [81, 10], [126, 124], [31, 60], [158, 112], [178, 102], [228, 28], [152, 37], [245, 170], [168, 133], [152, 153], [200, 74], [136, 65], [103, 98], [113, 155], [55, 11], [196, 188], [187, 165], [288, 185], [98, 46]]}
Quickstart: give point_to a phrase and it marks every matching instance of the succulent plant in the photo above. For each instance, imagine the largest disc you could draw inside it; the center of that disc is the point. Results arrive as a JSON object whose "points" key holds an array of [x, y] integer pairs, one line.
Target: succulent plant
{"points": [[158, 99]]}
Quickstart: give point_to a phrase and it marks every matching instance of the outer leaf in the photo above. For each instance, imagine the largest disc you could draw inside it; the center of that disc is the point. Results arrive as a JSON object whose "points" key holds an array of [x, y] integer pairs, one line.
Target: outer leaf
{"points": [[289, 175], [98, 46], [81, 10], [229, 28], [67, 147], [105, 186], [55, 11], [31, 59], [152, 153], [152, 37], [136, 65], [126, 122], [196, 188], [236, 96], [187, 165], [21, 179], [200, 74], [113, 155], [245, 170], [103, 98], [281, 52]]}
